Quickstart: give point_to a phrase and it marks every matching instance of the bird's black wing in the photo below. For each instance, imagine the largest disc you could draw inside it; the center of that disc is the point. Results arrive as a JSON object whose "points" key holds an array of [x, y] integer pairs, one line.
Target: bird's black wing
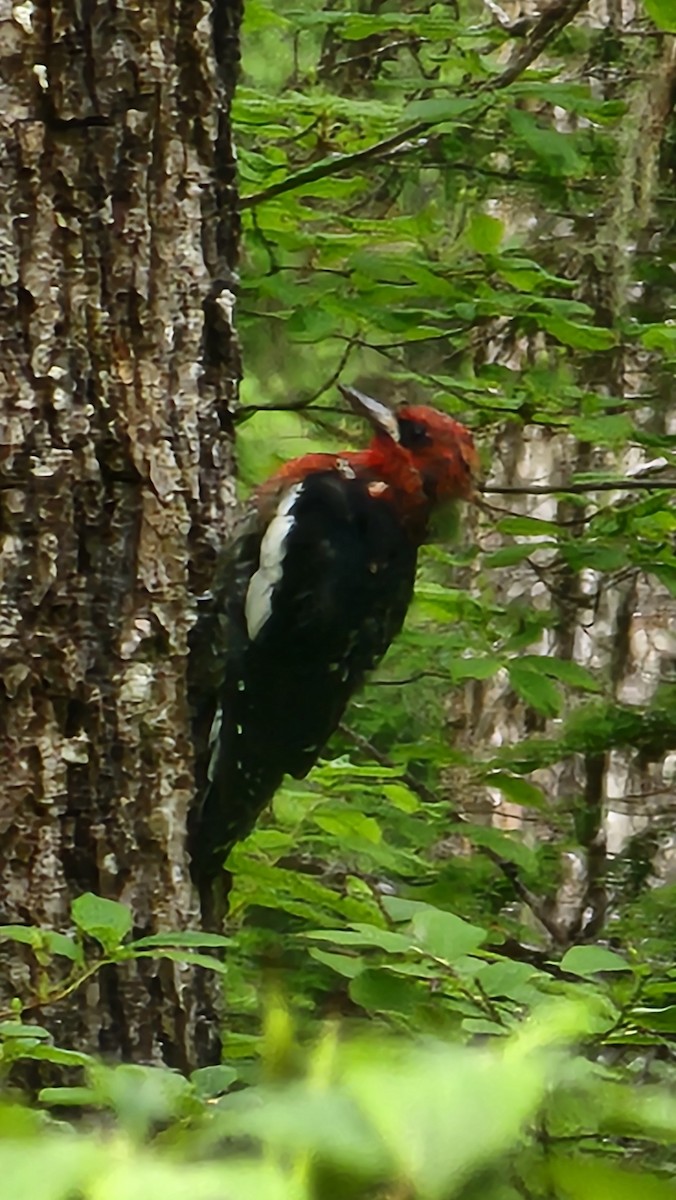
{"points": [[303, 611], [217, 645]]}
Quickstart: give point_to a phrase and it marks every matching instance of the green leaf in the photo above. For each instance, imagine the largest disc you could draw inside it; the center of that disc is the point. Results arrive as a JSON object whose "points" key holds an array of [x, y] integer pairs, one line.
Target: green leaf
{"points": [[149, 1177], [188, 938], [444, 935], [485, 233], [323, 1123], [343, 964], [660, 337], [54, 1168], [262, 16], [347, 825], [401, 797], [16, 1029], [71, 1097], [557, 151], [474, 668], [662, 1020], [213, 1081], [28, 935], [528, 527], [563, 669], [535, 688], [65, 947], [615, 429], [142, 1095], [513, 980], [400, 909], [362, 935], [508, 846], [480, 1026], [311, 324], [340, 769], [509, 556], [580, 337], [583, 1178], [663, 13], [184, 956], [515, 788], [587, 960], [61, 1058], [447, 108], [443, 1112], [379, 990], [104, 920]]}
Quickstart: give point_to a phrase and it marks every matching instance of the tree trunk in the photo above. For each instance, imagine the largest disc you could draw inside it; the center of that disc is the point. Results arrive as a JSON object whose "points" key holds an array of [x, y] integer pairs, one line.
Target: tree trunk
{"points": [[621, 622], [118, 241]]}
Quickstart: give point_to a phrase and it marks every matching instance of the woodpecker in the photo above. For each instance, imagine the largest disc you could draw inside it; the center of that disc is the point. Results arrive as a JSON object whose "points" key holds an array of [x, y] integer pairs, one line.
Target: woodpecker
{"points": [[307, 599]]}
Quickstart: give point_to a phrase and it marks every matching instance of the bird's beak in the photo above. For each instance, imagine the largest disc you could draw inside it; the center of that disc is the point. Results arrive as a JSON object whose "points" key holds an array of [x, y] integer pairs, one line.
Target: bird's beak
{"points": [[380, 416]]}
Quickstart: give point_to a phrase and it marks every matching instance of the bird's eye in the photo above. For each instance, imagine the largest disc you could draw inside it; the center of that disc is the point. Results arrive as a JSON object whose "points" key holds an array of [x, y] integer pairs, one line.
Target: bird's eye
{"points": [[413, 435]]}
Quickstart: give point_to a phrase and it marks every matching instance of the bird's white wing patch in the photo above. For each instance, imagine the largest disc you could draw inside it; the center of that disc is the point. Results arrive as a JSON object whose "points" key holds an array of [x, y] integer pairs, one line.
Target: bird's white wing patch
{"points": [[214, 740], [258, 603]]}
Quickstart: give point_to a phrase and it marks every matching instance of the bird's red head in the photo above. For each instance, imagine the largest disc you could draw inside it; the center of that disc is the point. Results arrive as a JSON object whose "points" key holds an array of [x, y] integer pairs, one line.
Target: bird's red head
{"points": [[442, 451], [425, 449], [418, 460]]}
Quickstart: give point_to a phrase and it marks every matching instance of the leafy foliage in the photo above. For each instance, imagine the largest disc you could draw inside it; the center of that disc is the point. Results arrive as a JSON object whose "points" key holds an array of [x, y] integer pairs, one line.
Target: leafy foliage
{"points": [[387, 163], [445, 204], [350, 1114]]}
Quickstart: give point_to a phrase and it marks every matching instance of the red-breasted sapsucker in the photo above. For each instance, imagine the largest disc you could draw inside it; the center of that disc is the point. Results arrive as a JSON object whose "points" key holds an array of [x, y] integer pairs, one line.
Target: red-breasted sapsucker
{"points": [[307, 599]]}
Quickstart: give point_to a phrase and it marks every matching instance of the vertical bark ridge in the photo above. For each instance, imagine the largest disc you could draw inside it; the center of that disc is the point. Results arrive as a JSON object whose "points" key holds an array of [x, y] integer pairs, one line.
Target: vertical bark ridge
{"points": [[119, 367]]}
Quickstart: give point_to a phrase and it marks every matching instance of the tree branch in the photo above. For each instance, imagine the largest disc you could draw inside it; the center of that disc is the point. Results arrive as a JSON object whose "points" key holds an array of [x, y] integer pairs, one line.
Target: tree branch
{"points": [[579, 489], [326, 167], [555, 17]]}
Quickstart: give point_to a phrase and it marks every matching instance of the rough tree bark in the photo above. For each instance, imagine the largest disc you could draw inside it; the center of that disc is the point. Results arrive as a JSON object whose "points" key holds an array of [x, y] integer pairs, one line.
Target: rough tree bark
{"points": [[118, 242]]}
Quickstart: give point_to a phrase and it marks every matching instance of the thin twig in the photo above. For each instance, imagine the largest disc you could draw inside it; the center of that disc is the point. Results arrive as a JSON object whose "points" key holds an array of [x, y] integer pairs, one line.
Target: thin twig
{"points": [[410, 679], [303, 401], [377, 52], [580, 489], [497, 511], [417, 786]]}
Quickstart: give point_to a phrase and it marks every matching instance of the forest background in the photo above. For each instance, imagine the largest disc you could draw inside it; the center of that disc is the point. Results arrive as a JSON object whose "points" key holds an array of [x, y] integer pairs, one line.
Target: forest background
{"points": [[448, 963]]}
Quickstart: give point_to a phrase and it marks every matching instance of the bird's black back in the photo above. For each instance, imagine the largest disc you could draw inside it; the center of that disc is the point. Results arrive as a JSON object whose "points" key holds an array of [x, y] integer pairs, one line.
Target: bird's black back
{"points": [[272, 700]]}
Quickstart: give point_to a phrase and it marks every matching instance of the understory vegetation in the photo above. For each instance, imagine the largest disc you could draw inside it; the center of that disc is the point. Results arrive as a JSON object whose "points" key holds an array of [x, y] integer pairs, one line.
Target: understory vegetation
{"points": [[443, 978]]}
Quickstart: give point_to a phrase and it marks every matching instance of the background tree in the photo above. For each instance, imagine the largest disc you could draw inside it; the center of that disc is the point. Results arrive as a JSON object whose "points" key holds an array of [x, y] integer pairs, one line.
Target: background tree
{"points": [[476, 208], [119, 367]]}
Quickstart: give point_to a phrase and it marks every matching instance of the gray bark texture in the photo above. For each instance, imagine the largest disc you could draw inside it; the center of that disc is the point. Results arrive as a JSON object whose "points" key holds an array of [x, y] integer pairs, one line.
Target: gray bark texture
{"points": [[624, 622], [119, 367]]}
